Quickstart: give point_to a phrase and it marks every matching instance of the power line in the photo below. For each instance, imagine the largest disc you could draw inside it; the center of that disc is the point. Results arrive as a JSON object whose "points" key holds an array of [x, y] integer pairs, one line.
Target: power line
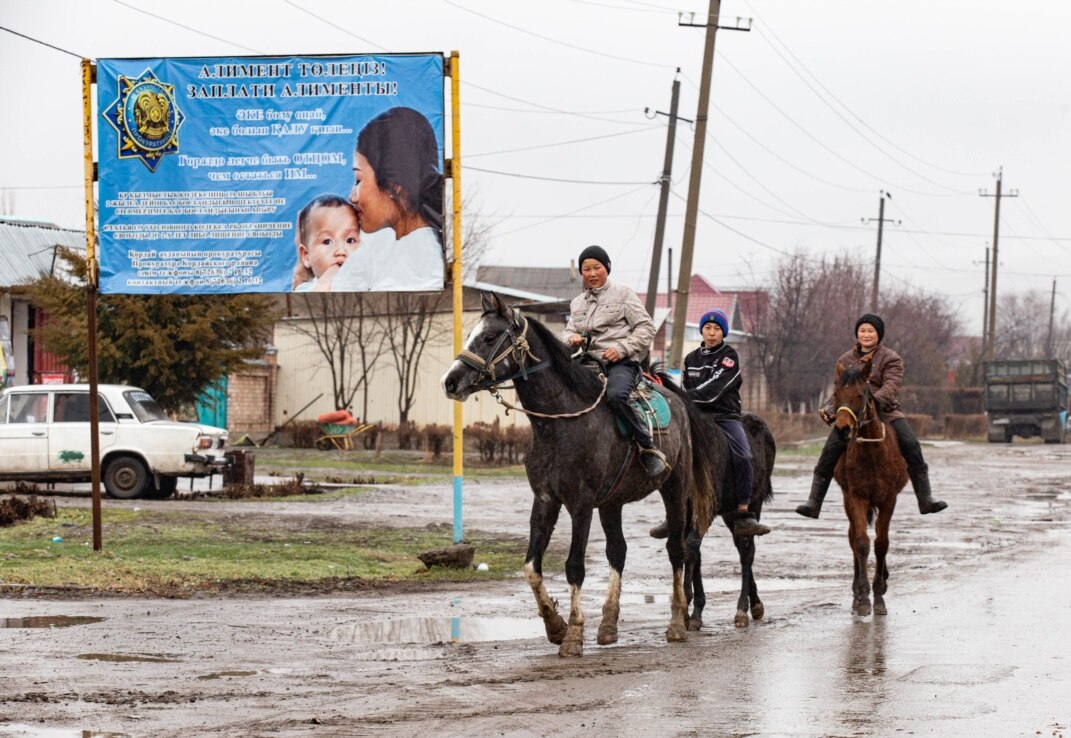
{"points": [[335, 25], [642, 129], [862, 122], [185, 27], [554, 179], [556, 41], [43, 43], [572, 212]]}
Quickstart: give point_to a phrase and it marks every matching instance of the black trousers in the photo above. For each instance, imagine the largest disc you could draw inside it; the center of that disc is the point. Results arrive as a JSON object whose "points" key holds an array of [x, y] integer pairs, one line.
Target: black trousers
{"points": [[905, 437], [740, 458], [621, 379]]}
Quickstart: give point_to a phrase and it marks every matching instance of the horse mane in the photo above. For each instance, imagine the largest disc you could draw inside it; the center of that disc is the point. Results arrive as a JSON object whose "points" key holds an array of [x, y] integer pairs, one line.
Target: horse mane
{"points": [[850, 376], [704, 505], [576, 375]]}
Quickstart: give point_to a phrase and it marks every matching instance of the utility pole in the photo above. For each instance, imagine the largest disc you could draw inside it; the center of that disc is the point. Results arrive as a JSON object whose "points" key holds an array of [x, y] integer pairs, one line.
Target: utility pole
{"points": [[663, 195], [882, 195], [680, 311], [1052, 314], [991, 329], [669, 281], [985, 305]]}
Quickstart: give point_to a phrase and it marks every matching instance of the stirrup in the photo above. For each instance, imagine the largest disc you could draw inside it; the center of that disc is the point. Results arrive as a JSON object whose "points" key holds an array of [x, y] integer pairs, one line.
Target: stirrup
{"points": [[653, 461]]}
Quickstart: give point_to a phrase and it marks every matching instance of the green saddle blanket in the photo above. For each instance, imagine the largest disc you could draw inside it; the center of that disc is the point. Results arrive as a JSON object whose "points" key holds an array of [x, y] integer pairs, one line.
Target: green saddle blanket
{"points": [[650, 406]]}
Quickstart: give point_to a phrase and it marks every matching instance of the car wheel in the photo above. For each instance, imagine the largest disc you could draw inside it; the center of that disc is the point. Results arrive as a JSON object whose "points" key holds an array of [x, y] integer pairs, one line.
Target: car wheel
{"points": [[126, 478], [166, 489]]}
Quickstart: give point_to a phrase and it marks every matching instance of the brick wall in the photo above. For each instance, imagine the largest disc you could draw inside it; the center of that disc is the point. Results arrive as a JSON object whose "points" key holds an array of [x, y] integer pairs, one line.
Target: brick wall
{"points": [[251, 397]]}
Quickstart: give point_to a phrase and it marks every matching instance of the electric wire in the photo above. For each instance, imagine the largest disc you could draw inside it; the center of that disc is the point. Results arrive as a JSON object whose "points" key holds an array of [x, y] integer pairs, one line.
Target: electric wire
{"points": [[42, 43], [554, 179], [642, 129], [183, 26]]}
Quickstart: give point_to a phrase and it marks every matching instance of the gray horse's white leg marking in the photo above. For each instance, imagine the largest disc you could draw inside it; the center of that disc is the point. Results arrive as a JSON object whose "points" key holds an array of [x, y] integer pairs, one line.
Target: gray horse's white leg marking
{"points": [[677, 630], [611, 610], [574, 636], [548, 608]]}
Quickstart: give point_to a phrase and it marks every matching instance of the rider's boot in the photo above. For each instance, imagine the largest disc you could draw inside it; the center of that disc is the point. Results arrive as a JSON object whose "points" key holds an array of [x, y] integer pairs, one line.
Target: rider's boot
{"points": [[813, 505], [747, 524], [653, 461], [920, 481], [660, 531]]}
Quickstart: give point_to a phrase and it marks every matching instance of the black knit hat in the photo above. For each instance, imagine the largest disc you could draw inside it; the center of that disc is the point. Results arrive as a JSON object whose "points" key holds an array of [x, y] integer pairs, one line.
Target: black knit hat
{"points": [[598, 253], [874, 320]]}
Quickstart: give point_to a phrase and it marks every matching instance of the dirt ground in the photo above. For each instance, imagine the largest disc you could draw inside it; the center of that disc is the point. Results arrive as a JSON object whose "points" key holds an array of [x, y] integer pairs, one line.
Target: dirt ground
{"points": [[975, 643]]}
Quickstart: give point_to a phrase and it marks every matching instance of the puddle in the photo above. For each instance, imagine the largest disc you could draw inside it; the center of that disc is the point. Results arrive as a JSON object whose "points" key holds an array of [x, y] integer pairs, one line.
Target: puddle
{"points": [[15, 730], [438, 630], [48, 621], [122, 658], [225, 674]]}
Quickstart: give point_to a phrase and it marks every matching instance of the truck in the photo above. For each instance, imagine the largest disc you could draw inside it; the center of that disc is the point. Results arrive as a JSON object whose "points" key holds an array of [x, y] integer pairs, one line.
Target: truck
{"points": [[1026, 398]]}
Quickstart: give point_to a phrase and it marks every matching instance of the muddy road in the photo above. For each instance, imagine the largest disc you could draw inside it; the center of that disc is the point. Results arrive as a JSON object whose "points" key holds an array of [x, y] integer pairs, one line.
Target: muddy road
{"points": [[977, 641]]}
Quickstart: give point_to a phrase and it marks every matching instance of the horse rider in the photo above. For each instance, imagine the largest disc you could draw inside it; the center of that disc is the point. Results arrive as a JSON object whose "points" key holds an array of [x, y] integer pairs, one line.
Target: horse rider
{"points": [[886, 374], [611, 318], [712, 378]]}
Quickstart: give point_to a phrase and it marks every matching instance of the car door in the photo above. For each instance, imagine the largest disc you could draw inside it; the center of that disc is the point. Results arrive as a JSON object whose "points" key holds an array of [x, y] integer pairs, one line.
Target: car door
{"points": [[69, 435], [24, 433]]}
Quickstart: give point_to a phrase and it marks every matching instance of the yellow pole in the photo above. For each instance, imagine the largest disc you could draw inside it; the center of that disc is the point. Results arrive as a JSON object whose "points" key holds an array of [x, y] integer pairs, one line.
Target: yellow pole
{"points": [[88, 77], [455, 177]]}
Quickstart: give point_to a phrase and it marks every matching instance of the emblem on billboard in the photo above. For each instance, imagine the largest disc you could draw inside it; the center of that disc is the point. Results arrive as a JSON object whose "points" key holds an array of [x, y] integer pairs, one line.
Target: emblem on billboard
{"points": [[146, 118]]}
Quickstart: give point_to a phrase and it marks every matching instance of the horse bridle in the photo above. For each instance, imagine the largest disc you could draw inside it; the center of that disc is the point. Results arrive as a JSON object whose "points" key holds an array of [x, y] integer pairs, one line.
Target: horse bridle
{"points": [[859, 424], [519, 350]]}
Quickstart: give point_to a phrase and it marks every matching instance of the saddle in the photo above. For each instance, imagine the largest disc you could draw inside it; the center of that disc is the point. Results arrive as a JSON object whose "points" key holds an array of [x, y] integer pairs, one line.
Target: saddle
{"points": [[649, 405]]}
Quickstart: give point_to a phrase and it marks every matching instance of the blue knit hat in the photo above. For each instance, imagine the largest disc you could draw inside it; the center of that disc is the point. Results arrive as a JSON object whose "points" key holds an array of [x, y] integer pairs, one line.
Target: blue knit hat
{"points": [[715, 316]]}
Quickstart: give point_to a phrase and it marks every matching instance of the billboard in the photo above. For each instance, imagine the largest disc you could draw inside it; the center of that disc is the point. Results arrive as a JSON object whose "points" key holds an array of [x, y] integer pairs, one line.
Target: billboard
{"points": [[270, 174]]}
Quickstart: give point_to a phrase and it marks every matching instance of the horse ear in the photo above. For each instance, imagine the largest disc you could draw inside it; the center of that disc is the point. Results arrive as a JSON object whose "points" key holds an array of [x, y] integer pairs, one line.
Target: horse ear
{"points": [[840, 368], [490, 302]]}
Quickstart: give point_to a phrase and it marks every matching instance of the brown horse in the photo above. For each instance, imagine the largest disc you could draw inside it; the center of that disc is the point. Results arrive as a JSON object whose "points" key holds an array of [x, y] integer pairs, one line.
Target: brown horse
{"points": [[871, 472]]}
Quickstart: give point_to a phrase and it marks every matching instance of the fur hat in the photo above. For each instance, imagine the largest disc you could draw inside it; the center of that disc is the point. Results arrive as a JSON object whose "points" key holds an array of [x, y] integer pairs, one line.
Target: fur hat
{"points": [[874, 320], [598, 253], [715, 316]]}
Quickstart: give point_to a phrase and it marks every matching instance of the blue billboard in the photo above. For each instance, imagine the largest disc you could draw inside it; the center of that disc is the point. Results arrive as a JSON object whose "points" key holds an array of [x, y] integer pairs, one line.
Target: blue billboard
{"points": [[270, 174]]}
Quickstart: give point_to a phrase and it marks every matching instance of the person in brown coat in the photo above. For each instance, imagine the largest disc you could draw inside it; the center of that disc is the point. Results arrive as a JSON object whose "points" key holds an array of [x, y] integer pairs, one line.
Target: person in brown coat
{"points": [[886, 375]]}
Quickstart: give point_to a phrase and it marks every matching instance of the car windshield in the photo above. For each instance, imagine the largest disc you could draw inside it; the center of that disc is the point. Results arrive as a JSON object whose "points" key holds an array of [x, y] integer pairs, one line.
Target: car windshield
{"points": [[144, 407]]}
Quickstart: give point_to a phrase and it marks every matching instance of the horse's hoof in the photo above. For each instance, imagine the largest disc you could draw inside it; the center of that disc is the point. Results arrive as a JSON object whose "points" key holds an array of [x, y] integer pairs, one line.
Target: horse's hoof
{"points": [[861, 608], [571, 649], [695, 623], [741, 620], [676, 633], [556, 630], [758, 611], [880, 609], [607, 635]]}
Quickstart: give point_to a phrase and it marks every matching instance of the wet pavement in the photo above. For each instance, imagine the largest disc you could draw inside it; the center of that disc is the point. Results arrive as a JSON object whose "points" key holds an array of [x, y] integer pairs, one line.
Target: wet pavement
{"points": [[975, 642]]}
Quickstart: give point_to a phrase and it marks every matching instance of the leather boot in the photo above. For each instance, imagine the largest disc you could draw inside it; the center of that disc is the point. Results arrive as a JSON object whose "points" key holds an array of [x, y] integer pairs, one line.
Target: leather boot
{"points": [[920, 481], [747, 524], [653, 462], [660, 531], [813, 505]]}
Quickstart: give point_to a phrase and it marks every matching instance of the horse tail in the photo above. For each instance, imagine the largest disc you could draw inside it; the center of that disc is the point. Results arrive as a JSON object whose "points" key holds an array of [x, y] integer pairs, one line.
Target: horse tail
{"points": [[763, 448], [702, 493]]}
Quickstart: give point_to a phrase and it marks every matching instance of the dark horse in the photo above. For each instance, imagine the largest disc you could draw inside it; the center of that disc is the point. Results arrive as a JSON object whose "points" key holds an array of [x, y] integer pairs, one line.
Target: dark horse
{"points": [[709, 441], [872, 471], [579, 460]]}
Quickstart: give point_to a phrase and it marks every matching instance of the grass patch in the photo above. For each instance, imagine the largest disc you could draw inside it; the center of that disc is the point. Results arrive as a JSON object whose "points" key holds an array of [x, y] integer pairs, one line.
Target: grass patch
{"points": [[397, 467], [177, 554]]}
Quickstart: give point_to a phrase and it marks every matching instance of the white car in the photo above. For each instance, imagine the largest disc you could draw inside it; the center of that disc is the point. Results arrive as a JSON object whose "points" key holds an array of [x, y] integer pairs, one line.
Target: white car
{"points": [[44, 437]]}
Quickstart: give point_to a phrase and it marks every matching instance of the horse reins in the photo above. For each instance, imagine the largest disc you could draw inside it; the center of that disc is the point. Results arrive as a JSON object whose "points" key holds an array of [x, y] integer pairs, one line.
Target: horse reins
{"points": [[858, 425], [519, 350]]}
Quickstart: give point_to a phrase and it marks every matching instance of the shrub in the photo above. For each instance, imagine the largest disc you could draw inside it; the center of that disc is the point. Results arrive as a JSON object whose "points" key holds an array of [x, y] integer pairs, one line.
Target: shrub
{"points": [[923, 425], [435, 439], [964, 427], [303, 433]]}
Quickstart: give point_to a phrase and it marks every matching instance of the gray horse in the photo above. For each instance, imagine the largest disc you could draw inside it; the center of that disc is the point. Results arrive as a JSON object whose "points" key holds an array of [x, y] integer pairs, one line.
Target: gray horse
{"points": [[579, 460]]}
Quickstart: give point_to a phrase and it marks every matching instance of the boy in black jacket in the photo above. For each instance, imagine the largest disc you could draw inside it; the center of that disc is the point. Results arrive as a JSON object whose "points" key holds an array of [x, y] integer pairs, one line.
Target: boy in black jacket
{"points": [[712, 379]]}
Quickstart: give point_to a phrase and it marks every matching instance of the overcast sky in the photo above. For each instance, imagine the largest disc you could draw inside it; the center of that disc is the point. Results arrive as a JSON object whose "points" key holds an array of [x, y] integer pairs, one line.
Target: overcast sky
{"points": [[821, 106]]}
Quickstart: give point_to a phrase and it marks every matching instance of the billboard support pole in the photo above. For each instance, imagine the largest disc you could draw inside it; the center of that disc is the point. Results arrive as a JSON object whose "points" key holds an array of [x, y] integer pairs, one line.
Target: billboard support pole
{"points": [[88, 78], [455, 275]]}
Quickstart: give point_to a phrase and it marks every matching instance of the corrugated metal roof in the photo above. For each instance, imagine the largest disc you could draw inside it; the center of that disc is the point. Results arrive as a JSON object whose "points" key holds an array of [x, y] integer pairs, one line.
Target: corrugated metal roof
{"points": [[27, 249], [562, 283]]}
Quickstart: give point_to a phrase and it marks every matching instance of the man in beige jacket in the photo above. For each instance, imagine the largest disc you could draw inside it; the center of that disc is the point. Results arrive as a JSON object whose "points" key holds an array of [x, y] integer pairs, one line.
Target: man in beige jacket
{"points": [[618, 330]]}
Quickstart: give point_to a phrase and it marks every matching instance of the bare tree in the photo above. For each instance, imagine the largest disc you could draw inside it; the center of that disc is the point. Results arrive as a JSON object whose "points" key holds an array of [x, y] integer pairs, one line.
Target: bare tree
{"points": [[1023, 328], [476, 235], [408, 324], [348, 337]]}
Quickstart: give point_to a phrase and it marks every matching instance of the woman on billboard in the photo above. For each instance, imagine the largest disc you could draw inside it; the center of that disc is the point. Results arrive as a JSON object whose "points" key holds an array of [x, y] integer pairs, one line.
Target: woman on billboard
{"points": [[397, 189]]}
